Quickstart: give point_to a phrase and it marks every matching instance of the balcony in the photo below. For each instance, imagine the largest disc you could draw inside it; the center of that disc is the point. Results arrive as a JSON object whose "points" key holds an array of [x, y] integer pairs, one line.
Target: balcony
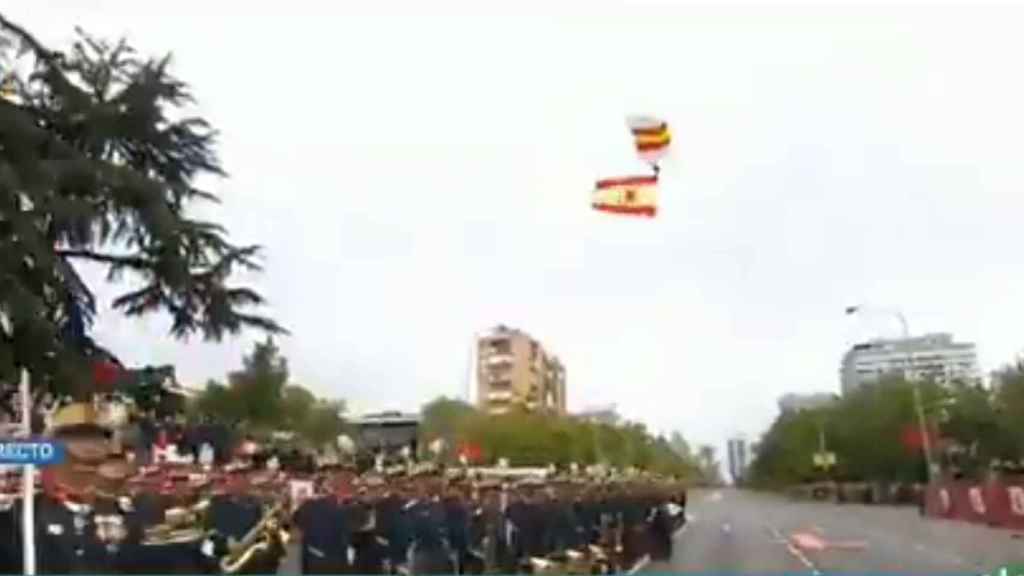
{"points": [[499, 358], [499, 395]]}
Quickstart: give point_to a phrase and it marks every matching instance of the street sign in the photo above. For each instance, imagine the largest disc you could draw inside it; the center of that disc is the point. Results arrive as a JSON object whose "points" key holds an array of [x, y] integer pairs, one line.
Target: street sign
{"points": [[31, 452]]}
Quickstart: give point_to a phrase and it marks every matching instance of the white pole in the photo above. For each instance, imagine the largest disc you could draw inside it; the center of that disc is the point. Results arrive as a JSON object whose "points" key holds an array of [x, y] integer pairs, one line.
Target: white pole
{"points": [[28, 485]]}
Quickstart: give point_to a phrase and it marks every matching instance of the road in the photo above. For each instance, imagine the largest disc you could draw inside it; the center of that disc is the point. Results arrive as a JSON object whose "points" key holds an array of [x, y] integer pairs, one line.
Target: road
{"points": [[744, 532]]}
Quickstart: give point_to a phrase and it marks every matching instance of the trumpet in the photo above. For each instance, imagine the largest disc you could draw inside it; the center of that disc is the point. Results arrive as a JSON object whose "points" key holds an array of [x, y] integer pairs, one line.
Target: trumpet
{"points": [[262, 537]]}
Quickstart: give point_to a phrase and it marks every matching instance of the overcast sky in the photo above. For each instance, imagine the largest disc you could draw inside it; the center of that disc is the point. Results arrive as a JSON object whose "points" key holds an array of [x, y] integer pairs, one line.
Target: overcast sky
{"points": [[420, 171]]}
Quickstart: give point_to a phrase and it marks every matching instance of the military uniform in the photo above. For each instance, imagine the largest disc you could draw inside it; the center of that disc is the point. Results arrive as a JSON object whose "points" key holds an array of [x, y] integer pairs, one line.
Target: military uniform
{"points": [[430, 552], [10, 536], [325, 536], [456, 523]]}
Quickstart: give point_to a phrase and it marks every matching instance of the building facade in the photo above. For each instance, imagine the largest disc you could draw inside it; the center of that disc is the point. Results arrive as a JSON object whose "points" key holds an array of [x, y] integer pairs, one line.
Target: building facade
{"points": [[801, 402], [738, 457], [933, 357], [514, 370]]}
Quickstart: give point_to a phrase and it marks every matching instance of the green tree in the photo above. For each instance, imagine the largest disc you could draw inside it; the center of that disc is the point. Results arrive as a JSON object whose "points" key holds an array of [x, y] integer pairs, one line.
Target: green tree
{"points": [[324, 423], [447, 419], [297, 404], [973, 426], [217, 402], [259, 385], [1009, 404], [680, 446], [100, 166]]}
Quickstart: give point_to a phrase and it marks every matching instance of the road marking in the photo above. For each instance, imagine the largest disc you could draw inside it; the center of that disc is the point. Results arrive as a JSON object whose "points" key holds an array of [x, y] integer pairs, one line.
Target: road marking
{"points": [[806, 541], [640, 564], [803, 559], [680, 530]]}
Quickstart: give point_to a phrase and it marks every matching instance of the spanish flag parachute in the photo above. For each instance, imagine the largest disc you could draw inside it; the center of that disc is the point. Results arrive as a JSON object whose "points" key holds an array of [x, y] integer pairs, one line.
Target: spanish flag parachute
{"points": [[636, 195], [651, 138]]}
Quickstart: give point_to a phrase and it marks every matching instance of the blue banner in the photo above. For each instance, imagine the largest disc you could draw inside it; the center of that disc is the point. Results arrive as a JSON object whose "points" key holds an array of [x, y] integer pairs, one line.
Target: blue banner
{"points": [[40, 452]]}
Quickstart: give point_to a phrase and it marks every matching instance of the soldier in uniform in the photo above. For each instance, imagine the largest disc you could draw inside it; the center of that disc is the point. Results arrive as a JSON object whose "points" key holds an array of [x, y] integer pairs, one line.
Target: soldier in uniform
{"points": [[324, 532], [10, 535], [69, 540], [367, 543], [236, 511], [430, 551], [456, 524], [396, 524]]}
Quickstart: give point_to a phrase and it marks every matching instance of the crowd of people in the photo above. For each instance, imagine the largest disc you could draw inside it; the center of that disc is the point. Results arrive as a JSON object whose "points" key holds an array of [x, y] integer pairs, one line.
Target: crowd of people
{"points": [[98, 512]]}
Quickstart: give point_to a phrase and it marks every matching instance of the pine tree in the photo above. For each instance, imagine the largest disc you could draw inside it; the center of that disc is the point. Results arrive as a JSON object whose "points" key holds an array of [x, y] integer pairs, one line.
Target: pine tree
{"points": [[99, 164]]}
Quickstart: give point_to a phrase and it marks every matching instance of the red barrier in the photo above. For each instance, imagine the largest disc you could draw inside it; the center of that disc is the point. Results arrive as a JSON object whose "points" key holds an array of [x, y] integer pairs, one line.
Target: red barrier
{"points": [[998, 503]]}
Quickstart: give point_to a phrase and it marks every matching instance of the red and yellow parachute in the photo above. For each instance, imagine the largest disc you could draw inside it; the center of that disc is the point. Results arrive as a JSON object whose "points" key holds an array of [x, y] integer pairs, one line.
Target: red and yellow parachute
{"points": [[651, 138], [636, 195]]}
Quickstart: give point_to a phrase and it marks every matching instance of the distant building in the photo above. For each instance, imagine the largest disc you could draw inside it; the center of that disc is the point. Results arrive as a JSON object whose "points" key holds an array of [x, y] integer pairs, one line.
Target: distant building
{"points": [[738, 458], [600, 415], [513, 369], [386, 432], [930, 357], [800, 402]]}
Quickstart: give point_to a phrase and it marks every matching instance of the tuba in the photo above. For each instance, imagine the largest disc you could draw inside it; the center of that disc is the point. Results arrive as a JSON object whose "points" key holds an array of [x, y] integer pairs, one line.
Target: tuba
{"points": [[263, 536]]}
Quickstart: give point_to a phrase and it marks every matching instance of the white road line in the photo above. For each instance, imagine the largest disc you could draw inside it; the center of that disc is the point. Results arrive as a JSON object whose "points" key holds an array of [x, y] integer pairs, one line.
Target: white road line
{"points": [[803, 559], [680, 530], [640, 564]]}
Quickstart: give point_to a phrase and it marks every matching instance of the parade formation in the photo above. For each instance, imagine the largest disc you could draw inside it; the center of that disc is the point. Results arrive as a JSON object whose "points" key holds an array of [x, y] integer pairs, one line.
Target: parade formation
{"points": [[103, 510]]}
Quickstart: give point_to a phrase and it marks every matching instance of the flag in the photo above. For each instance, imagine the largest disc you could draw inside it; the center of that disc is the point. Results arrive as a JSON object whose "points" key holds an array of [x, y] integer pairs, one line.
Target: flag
{"points": [[651, 137], [633, 195], [471, 452], [913, 440]]}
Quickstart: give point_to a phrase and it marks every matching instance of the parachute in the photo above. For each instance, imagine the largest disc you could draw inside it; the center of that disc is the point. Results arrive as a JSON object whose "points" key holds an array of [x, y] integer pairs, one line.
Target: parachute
{"points": [[651, 138], [636, 195], [632, 195]]}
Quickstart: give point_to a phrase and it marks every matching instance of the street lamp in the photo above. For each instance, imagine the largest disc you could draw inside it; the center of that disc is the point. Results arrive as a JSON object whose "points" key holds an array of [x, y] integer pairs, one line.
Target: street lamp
{"points": [[926, 443]]}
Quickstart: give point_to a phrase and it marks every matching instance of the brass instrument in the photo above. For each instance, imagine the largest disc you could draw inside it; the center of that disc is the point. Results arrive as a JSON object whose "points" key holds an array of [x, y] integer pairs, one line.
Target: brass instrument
{"points": [[179, 525], [261, 538]]}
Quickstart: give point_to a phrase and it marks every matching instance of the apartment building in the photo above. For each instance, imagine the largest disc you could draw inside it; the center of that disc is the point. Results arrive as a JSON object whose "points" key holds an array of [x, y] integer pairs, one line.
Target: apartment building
{"points": [[514, 370], [934, 357]]}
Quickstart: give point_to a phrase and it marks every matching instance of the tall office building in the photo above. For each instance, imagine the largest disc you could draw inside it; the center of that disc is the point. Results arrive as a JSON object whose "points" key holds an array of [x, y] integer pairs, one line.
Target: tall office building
{"points": [[513, 369], [929, 357], [737, 448]]}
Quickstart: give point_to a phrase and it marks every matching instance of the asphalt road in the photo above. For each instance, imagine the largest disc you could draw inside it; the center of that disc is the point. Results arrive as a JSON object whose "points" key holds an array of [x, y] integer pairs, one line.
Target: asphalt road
{"points": [[752, 533]]}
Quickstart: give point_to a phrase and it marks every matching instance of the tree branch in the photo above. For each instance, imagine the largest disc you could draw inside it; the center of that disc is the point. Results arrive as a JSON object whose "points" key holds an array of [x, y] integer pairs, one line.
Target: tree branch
{"points": [[132, 261]]}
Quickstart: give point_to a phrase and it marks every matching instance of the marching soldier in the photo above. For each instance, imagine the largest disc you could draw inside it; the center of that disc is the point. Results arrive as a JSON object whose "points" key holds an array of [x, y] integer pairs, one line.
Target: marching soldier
{"points": [[429, 549], [69, 540], [367, 543], [325, 537], [456, 523]]}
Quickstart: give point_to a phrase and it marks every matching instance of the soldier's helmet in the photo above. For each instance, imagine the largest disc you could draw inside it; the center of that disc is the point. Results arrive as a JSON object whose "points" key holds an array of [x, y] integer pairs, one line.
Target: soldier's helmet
{"points": [[79, 419]]}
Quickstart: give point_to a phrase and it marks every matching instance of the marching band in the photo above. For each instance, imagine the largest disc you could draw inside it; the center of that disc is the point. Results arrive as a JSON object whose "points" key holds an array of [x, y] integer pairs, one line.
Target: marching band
{"points": [[95, 513]]}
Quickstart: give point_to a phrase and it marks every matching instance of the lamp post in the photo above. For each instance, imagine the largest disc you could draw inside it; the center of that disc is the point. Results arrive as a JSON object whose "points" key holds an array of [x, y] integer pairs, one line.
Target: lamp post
{"points": [[926, 443]]}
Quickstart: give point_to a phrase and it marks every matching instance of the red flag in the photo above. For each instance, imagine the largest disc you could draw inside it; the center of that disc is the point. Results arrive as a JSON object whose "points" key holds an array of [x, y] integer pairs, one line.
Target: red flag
{"points": [[470, 452], [105, 374], [914, 440]]}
